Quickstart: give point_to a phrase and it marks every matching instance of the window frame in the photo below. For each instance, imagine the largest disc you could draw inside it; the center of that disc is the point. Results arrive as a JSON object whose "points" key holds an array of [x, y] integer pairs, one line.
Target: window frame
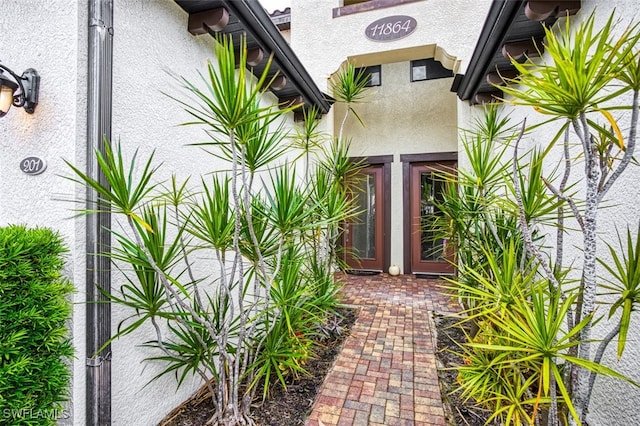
{"points": [[369, 70], [433, 70], [366, 6]]}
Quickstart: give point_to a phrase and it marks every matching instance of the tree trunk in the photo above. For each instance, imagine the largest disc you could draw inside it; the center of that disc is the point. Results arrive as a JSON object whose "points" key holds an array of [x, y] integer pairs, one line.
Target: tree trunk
{"points": [[589, 278]]}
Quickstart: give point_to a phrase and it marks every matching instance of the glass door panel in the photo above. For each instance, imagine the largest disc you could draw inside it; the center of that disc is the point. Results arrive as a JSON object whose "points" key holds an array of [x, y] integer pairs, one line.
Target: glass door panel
{"points": [[364, 233], [431, 247], [363, 228], [429, 253]]}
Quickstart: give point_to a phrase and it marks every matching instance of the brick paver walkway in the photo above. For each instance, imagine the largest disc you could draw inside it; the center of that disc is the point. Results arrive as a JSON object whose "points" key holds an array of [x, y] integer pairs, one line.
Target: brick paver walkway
{"points": [[386, 372]]}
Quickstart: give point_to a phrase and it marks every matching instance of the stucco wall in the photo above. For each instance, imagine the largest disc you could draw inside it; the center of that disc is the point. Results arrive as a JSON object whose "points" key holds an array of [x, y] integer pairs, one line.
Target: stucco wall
{"points": [[322, 42], [151, 47], [53, 41], [615, 401]]}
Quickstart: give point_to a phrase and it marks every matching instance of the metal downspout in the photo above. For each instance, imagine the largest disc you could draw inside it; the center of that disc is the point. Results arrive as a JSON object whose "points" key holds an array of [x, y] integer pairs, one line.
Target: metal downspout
{"points": [[98, 273]]}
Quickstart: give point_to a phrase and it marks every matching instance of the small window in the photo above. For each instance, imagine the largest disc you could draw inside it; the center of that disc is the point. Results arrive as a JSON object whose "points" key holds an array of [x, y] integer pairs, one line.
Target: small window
{"points": [[374, 73], [428, 69], [349, 7]]}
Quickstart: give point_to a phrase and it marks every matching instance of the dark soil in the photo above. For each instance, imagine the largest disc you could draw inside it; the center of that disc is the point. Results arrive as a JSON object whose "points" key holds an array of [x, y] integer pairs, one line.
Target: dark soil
{"points": [[451, 334], [292, 406], [288, 407]]}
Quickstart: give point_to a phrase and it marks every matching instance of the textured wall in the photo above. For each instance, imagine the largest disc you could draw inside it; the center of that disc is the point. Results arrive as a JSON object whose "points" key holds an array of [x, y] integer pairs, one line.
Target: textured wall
{"points": [[322, 42], [151, 46], [615, 401], [50, 37], [151, 43]]}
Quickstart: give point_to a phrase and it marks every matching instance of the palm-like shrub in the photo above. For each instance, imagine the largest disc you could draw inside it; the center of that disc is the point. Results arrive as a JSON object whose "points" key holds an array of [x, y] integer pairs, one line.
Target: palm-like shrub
{"points": [[250, 318], [532, 351]]}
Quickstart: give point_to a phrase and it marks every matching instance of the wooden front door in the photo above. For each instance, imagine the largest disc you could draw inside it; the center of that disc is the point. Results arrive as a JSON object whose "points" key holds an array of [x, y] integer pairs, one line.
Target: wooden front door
{"points": [[364, 233], [429, 253]]}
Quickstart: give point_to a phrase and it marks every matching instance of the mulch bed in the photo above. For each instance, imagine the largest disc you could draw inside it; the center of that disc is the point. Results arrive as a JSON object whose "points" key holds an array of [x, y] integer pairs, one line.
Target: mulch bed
{"points": [[451, 334], [289, 407], [292, 406]]}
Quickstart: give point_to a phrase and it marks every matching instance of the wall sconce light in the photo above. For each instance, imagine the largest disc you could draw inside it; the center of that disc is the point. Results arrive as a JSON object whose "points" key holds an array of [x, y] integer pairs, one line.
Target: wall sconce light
{"points": [[26, 97]]}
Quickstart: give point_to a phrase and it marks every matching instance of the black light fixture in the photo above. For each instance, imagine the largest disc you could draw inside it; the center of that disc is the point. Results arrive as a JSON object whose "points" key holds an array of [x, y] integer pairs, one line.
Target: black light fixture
{"points": [[27, 84]]}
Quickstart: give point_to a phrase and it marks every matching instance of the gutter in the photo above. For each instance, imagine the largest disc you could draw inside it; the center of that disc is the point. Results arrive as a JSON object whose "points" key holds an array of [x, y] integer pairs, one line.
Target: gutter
{"points": [[98, 241], [495, 28], [252, 11]]}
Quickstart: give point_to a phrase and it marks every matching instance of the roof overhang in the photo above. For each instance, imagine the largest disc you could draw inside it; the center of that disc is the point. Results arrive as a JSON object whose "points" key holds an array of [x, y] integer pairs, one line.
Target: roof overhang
{"points": [[513, 29], [248, 18]]}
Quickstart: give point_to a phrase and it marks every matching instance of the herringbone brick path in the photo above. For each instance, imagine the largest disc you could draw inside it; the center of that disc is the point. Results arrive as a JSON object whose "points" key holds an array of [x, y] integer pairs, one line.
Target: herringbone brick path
{"points": [[386, 372]]}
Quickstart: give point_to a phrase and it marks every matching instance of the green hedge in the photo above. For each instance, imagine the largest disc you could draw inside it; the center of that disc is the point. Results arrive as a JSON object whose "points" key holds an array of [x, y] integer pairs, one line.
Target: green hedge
{"points": [[35, 348]]}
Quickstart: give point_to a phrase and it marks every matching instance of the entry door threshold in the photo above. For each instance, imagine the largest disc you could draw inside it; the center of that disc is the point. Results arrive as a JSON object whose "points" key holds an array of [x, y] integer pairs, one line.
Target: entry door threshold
{"points": [[433, 275], [363, 271]]}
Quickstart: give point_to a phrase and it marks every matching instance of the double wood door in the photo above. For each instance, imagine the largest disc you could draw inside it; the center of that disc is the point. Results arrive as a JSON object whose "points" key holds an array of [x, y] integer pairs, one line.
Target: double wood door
{"points": [[367, 240]]}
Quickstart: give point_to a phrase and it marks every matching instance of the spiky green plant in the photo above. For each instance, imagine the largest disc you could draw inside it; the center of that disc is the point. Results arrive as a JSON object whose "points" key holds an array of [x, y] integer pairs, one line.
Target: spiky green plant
{"points": [[540, 337], [222, 272]]}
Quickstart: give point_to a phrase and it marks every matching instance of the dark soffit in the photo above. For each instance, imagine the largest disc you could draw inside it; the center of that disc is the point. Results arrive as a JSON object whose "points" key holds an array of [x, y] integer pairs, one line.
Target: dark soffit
{"points": [[515, 23], [249, 18]]}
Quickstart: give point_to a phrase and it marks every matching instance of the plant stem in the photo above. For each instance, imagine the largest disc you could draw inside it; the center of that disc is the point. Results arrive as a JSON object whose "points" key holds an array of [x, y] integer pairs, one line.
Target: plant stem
{"points": [[589, 284]]}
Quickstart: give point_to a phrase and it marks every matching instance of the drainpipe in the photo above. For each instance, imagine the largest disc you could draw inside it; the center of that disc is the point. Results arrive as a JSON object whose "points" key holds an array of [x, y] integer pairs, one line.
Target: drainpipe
{"points": [[98, 273]]}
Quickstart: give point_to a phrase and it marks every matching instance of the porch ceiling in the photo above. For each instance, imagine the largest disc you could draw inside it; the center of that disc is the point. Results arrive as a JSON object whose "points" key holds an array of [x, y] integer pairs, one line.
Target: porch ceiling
{"points": [[246, 17], [513, 28]]}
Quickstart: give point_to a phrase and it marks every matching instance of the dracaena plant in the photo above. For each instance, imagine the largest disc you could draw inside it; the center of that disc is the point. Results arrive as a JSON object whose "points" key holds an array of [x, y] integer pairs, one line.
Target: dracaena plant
{"points": [[221, 270], [586, 84], [588, 72]]}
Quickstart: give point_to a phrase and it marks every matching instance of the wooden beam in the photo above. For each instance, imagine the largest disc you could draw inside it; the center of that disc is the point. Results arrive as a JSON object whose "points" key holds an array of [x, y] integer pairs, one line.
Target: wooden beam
{"points": [[276, 83], [208, 20], [539, 10], [254, 56], [488, 97], [288, 102], [497, 77], [279, 83], [520, 49]]}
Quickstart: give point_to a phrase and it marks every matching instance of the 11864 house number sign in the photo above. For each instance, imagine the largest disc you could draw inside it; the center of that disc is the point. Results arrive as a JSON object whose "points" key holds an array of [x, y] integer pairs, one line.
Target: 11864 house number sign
{"points": [[391, 28]]}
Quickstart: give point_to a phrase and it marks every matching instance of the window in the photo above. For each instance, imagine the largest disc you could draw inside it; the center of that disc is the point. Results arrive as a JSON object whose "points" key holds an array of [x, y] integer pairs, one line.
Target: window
{"points": [[428, 69], [358, 6], [374, 73]]}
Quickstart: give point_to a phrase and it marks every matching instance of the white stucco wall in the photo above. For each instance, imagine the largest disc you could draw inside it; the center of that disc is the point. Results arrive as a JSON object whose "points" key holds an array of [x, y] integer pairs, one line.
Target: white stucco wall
{"points": [[55, 132], [615, 401], [151, 45], [322, 42]]}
